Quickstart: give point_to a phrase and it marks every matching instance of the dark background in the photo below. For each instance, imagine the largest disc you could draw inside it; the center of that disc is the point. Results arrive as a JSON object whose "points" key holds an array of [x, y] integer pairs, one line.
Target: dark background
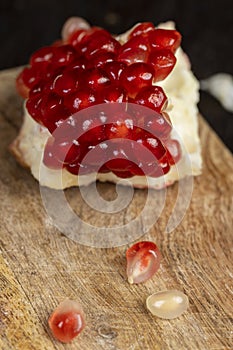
{"points": [[206, 26]]}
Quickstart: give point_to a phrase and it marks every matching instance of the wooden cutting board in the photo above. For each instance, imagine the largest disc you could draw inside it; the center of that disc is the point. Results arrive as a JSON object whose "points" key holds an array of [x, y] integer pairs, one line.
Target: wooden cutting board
{"points": [[41, 267]]}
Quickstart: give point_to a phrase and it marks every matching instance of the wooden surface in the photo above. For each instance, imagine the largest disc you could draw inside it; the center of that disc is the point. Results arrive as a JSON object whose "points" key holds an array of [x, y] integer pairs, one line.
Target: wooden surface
{"points": [[40, 267]]}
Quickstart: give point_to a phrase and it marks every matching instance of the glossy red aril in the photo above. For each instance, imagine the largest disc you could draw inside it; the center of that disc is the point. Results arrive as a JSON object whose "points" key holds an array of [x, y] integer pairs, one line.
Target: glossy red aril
{"points": [[131, 53], [95, 78], [163, 61], [158, 125], [142, 28], [67, 321], [42, 57], [165, 38], [122, 128], [66, 82], [63, 151], [114, 70], [135, 77], [113, 93], [101, 58], [152, 97], [80, 99], [173, 151], [143, 261]]}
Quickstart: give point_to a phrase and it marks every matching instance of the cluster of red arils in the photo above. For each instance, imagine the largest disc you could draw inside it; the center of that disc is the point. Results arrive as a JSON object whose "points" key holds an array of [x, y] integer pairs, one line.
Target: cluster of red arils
{"points": [[92, 68]]}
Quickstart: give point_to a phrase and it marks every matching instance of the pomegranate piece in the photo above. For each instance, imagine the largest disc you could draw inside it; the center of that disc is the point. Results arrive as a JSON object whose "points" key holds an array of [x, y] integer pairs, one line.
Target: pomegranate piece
{"points": [[135, 77], [67, 321], [143, 260], [152, 97], [163, 61], [89, 67], [164, 38]]}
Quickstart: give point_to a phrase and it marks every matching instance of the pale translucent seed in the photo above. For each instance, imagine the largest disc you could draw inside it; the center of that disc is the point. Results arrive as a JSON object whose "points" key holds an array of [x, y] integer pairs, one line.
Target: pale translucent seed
{"points": [[167, 304]]}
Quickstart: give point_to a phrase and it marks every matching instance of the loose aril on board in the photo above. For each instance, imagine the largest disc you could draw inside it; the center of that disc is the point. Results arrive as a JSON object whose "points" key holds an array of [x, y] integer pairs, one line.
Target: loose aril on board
{"points": [[67, 321], [167, 304], [143, 260]]}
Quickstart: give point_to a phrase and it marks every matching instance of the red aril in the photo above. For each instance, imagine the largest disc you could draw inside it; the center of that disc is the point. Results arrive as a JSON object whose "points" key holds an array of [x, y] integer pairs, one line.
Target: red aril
{"points": [[67, 321], [142, 28], [42, 57], [114, 70], [152, 97], [143, 260], [173, 151], [164, 38], [129, 55], [157, 125], [33, 105], [122, 128], [113, 93], [65, 83], [80, 99], [163, 61], [135, 77], [63, 55], [95, 78], [101, 58], [102, 42]]}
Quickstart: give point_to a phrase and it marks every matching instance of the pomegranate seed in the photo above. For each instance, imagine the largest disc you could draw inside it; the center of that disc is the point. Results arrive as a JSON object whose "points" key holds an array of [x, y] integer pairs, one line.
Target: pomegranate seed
{"points": [[75, 38], [129, 55], [142, 28], [163, 61], [67, 321], [96, 155], [120, 154], [42, 57], [167, 304], [30, 76], [52, 110], [80, 99], [95, 78], [63, 55], [122, 128], [102, 42], [113, 93], [64, 151], [114, 70], [158, 125], [78, 64], [152, 97], [135, 77], [101, 58], [33, 106], [49, 157], [92, 132], [173, 151], [65, 83], [165, 38], [143, 260]]}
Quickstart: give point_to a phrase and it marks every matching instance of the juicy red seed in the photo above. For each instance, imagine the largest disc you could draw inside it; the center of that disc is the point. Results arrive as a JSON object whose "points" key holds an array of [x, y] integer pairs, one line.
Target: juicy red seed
{"points": [[80, 99], [96, 156], [95, 78], [80, 169], [33, 105], [143, 261], [158, 125], [102, 43], [111, 94], [65, 83], [129, 55], [43, 56], [38, 88], [142, 28], [30, 76], [152, 97], [67, 321], [135, 77], [120, 155], [114, 70], [92, 131], [163, 61], [65, 151], [173, 151], [165, 38], [101, 58], [63, 55], [49, 157], [78, 64], [122, 128], [76, 37]]}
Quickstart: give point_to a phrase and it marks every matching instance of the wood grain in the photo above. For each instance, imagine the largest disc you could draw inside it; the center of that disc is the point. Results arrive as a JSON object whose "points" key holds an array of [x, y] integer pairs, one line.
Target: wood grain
{"points": [[41, 267]]}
